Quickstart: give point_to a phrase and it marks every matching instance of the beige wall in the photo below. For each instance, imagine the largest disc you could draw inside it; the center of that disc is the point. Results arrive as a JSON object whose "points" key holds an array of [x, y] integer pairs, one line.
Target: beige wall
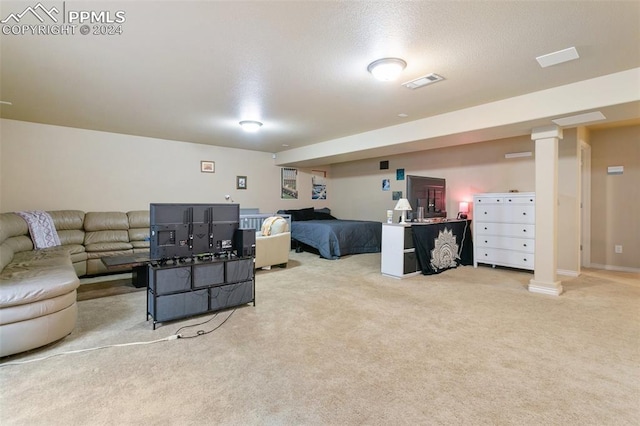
{"points": [[615, 199], [468, 169], [45, 167], [50, 167]]}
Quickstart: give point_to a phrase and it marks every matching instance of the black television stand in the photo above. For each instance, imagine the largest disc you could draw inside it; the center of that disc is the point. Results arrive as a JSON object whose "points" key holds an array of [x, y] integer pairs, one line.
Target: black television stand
{"points": [[202, 285]]}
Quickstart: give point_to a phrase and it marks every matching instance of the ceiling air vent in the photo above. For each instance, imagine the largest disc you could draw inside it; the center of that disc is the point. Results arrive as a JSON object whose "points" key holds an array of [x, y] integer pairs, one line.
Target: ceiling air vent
{"points": [[423, 81]]}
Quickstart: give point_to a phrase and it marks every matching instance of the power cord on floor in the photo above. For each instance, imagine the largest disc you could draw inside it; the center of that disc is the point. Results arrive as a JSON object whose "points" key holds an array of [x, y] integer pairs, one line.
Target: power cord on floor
{"points": [[202, 332], [174, 336], [164, 339]]}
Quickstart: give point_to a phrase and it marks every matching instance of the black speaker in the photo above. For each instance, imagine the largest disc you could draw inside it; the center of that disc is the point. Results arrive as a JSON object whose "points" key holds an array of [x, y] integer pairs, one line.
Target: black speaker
{"points": [[244, 242]]}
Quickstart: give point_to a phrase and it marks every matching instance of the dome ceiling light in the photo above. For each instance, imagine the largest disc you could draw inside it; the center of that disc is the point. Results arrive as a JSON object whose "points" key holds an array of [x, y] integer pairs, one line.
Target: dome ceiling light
{"points": [[387, 69], [250, 126]]}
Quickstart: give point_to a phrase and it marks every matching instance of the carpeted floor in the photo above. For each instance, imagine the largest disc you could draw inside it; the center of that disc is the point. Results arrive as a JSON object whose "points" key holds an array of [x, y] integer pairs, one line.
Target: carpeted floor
{"points": [[337, 343]]}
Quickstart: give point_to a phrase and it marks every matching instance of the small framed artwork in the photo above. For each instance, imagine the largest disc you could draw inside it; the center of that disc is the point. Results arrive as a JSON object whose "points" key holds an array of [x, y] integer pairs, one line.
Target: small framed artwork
{"points": [[207, 167], [241, 182], [399, 174], [396, 195], [386, 184]]}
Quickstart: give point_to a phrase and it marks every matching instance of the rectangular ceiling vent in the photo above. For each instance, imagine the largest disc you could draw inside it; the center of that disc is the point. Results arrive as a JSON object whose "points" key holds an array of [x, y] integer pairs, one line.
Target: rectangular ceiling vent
{"points": [[423, 81]]}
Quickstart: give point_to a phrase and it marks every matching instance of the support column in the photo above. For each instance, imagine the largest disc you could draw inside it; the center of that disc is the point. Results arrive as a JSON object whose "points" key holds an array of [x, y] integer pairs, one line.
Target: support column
{"points": [[546, 165]]}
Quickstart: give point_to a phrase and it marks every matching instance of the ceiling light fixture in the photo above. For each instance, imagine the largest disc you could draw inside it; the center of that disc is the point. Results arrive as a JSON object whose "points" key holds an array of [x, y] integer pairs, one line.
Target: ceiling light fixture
{"points": [[251, 126], [387, 69]]}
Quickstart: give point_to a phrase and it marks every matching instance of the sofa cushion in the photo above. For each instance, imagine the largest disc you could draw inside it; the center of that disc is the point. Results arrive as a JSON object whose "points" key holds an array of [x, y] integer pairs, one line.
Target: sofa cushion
{"points": [[138, 218], [12, 225], [6, 256], [67, 219], [11, 314], [97, 237], [107, 246], [34, 284], [19, 243], [71, 236], [99, 221]]}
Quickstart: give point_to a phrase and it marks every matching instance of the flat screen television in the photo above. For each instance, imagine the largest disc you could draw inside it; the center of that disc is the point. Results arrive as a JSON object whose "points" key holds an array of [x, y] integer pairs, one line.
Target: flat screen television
{"points": [[187, 230], [429, 193]]}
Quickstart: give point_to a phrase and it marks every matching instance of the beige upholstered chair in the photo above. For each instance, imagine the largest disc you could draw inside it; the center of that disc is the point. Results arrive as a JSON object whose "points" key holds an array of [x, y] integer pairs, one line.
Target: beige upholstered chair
{"points": [[273, 243]]}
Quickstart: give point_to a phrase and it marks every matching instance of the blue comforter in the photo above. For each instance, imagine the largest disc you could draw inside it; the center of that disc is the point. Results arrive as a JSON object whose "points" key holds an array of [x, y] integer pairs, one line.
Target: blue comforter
{"points": [[335, 238]]}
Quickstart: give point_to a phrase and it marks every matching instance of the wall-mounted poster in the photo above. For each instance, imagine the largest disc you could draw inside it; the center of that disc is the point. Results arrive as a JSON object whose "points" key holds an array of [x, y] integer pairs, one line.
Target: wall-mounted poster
{"points": [[396, 195], [289, 184], [386, 184], [319, 187], [399, 174]]}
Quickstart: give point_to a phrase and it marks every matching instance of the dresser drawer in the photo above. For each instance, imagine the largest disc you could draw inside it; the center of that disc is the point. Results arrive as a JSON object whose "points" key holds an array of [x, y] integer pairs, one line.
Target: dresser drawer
{"points": [[505, 198], [511, 258], [526, 245], [505, 229], [517, 213], [520, 200], [488, 200]]}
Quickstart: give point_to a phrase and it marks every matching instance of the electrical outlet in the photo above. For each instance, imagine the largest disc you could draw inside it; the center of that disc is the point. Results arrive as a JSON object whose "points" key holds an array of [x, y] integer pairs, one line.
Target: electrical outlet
{"points": [[618, 249]]}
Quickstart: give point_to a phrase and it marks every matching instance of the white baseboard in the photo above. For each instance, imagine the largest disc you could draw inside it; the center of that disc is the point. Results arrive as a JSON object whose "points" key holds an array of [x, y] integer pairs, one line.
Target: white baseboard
{"points": [[568, 273], [614, 268], [551, 289]]}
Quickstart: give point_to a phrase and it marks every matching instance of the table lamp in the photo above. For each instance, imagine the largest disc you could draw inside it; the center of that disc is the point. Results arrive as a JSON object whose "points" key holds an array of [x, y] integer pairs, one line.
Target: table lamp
{"points": [[404, 206], [463, 209]]}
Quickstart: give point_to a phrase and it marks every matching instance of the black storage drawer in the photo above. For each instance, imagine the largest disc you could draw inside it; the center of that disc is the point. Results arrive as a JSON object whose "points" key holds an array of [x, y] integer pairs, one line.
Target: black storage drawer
{"points": [[408, 238], [207, 275], [231, 295], [239, 270], [172, 306], [410, 262], [170, 280]]}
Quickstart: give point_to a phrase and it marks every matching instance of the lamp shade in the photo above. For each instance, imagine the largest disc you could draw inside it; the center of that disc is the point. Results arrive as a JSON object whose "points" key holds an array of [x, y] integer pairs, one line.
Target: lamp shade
{"points": [[403, 204], [463, 207]]}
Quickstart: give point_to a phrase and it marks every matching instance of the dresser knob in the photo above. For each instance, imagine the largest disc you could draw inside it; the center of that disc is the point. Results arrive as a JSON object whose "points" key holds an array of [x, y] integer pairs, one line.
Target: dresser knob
{"points": [[524, 214], [525, 259], [525, 245], [485, 241], [524, 230], [485, 228], [485, 212]]}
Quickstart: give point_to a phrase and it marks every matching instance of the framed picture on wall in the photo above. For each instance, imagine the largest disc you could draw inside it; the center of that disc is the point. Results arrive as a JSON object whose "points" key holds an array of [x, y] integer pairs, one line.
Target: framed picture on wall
{"points": [[207, 167], [241, 182]]}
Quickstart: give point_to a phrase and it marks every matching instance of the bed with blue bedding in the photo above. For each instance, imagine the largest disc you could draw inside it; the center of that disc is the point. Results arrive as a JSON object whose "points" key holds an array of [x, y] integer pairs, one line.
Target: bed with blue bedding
{"points": [[331, 237]]}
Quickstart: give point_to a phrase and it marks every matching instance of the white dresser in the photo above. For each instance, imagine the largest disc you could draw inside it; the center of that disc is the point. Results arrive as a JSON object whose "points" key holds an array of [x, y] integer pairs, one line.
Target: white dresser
{"points": [[504, 229]]}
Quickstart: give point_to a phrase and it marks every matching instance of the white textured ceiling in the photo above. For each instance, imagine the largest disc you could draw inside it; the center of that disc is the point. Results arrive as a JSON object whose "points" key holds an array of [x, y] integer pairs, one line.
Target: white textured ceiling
{"points": [[190, 71]]}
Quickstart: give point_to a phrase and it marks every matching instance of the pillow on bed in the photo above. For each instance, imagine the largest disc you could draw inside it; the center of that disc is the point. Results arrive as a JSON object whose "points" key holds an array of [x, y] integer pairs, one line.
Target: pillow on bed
{"points": [[322, 216], [301, 214]]}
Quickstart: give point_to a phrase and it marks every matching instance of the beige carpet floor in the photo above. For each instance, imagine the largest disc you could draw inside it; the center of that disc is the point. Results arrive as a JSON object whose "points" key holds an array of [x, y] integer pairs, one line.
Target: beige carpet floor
{"points": [[337, 343]]}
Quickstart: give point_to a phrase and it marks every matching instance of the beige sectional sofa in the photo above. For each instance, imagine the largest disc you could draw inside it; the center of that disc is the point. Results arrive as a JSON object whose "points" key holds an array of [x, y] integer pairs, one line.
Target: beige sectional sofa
{"points": [[38, 287]]}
